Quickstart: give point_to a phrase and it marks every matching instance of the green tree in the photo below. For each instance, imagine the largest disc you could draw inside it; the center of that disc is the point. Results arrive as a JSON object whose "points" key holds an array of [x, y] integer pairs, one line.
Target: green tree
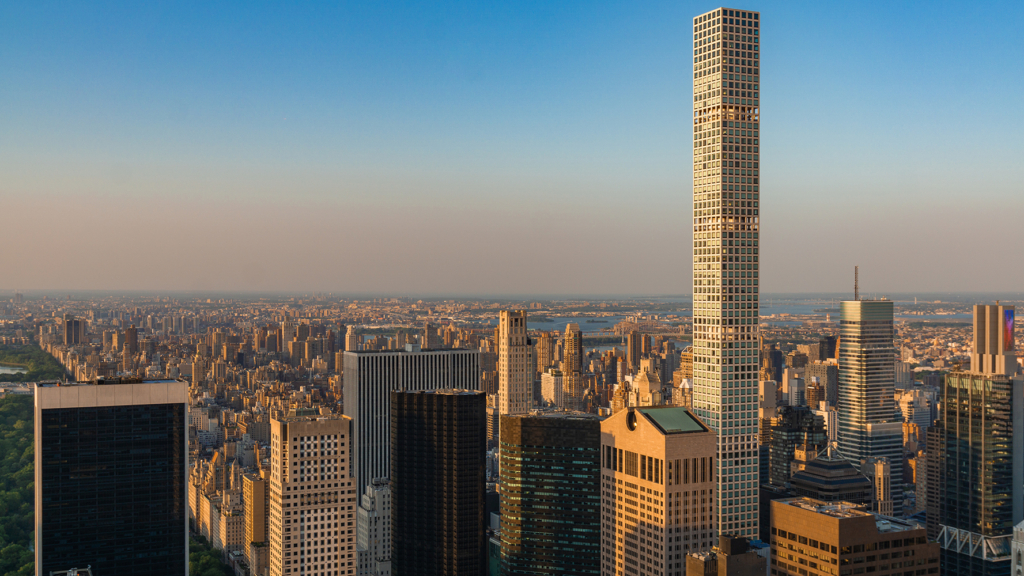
{"points": [[17, 491]]}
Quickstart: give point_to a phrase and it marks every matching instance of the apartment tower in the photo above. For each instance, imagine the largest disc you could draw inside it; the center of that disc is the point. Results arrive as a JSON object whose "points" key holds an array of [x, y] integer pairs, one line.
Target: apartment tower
{"points": [[312, 495], [572, 368], [438, 444], [111, 477], [726, 226], [658, 491], [515, 364], [867, 385]]}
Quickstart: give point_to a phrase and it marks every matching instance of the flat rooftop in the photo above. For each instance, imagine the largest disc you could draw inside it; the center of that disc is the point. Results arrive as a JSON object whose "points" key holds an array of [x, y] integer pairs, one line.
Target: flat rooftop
{"points": [[104, 382], [850, 510], [673, 420]]}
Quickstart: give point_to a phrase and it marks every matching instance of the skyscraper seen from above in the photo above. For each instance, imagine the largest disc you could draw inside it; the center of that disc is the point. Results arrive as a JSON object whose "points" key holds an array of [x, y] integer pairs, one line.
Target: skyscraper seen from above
{"points": [[726, 230]]}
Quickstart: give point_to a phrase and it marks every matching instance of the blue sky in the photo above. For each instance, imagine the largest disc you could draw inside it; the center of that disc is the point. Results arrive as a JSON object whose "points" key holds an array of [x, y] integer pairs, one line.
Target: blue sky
{"points": [[528, 147]]}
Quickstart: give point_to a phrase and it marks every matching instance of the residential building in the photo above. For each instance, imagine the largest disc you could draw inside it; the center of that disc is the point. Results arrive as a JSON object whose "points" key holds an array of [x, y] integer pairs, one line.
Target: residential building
{"points": [[515, 363], [106, 452], [312, 495], [726, 230], [255, 547], [658, 484]]}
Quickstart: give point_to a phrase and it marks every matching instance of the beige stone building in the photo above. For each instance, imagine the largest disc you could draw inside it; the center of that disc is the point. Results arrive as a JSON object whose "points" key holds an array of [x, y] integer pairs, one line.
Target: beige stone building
{"points": [[254, 543], [814, 538], [515, 364], [658, 491], [312, 496]]}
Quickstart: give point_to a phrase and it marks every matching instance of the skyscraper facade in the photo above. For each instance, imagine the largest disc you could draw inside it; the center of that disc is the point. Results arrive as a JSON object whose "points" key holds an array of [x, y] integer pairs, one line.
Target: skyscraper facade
{"points": [[981, 497], [438, 444], [550, 494], [311, 521], [868, 428], [658, 482], [111, 477], [515, 364], [726, 229], [572, 368], [369, 379]]}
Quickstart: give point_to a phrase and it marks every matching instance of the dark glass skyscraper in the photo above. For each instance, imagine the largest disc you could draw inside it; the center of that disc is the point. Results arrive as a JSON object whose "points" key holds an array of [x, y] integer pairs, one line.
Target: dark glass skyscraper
{"points": [[111, 466], [438, 444], [982, 417], [550, 494]]}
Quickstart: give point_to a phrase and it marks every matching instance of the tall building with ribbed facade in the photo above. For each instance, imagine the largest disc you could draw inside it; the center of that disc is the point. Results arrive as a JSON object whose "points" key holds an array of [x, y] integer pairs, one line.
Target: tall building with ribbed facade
{"points": [[868, 429], [515, 364], [550, 494], [369, 379], [438, 444], [726, 230]]}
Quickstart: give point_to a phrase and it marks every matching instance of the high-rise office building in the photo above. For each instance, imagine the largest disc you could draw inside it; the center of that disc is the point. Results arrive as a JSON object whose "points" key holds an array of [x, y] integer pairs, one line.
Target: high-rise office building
{"points": [[981, 491], [550, 494], [515, 364], [726, 229], [74, 330], [814, 538], [867, 426], [572, 368], [633, 351], [111, 477], [658, 482], [369, 379], [791, 427], [438, 443], [312, 495], [545, 352]]}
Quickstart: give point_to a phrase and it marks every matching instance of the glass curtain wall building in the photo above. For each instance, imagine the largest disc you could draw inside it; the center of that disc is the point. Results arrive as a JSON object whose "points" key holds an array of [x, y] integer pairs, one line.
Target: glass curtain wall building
{"points": [[868, 427], [551, 494], [726, 230], [982, 420], [111, 477]]}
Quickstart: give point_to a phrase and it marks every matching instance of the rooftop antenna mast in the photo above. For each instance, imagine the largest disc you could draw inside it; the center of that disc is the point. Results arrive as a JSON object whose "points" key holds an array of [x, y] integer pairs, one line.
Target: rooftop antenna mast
{"points": [[856, 283]]}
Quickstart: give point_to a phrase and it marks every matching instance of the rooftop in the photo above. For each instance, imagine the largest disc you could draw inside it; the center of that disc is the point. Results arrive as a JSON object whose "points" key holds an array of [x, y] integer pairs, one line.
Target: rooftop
{"points": [[673, 420], [104, 381], [849, 510]]}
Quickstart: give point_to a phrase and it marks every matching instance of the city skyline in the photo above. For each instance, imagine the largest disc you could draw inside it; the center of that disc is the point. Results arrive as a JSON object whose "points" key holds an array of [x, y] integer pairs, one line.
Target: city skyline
{"points": [[390, 138]]}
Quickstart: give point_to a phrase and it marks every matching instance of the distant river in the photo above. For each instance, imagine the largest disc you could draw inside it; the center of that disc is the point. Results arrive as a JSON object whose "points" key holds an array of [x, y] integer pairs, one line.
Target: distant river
{"points": [[11, 369]]}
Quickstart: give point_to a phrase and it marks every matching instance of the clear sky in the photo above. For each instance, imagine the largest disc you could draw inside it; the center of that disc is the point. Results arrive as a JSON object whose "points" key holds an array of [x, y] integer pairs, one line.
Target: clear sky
{"points": [[496, 148]]}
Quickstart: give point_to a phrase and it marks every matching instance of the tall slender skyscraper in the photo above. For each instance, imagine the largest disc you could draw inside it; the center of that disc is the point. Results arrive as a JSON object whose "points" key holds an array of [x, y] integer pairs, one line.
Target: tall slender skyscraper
{"points": [[726, 226], [867, 384], [515, 364]]}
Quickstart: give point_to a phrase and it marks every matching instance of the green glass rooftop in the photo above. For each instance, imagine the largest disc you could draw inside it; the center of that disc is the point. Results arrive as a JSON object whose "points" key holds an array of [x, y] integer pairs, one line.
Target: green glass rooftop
{"points": [[673, 420]]}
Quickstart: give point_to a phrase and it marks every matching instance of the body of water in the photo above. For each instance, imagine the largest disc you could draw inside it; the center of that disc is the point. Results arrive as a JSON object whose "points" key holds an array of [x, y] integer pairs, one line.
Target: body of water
{"points": [[11, 369]]}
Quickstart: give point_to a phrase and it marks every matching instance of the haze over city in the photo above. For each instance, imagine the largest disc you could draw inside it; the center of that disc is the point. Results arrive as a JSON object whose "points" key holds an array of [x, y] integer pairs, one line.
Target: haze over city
{"points": [[441, 148]]}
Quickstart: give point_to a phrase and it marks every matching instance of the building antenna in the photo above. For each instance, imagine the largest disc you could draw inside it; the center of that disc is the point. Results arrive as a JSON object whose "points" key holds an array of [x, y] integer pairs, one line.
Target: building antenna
{"points": [[856, 283]]}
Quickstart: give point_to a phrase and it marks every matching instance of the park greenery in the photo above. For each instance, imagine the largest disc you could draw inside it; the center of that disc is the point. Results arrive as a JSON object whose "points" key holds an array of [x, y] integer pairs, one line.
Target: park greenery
{"points": [[204, 559], [17, 491], [38, 364]]}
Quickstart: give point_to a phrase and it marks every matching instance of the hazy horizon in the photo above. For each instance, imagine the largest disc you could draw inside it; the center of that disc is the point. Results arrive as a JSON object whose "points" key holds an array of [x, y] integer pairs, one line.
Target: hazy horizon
{"points": [[454, 149]]}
